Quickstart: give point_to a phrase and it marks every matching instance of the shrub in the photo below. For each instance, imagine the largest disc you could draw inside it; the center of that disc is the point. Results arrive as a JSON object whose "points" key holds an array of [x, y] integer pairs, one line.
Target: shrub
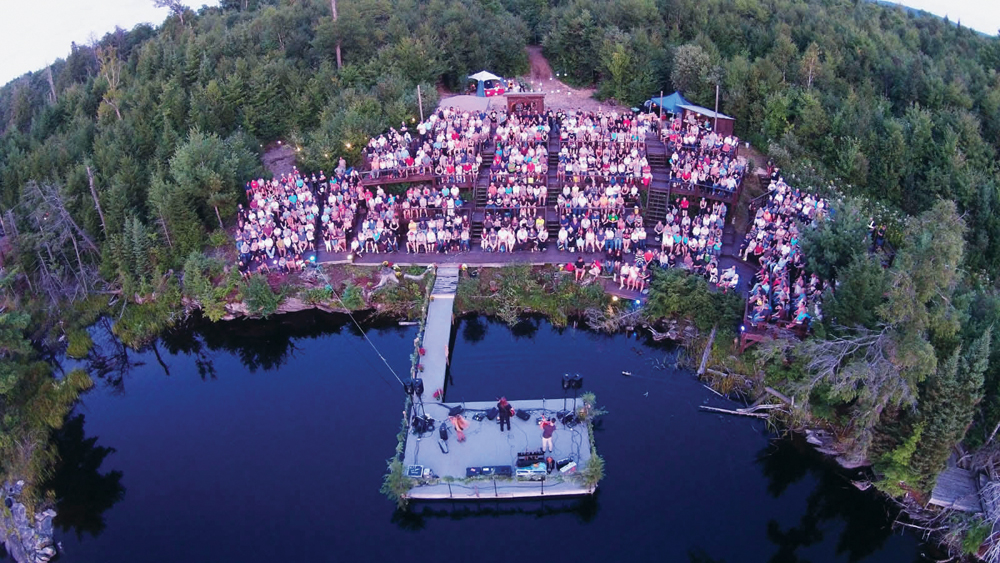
{"points": [[676, 293], [352, 297], [79, 343], [261, 300]]}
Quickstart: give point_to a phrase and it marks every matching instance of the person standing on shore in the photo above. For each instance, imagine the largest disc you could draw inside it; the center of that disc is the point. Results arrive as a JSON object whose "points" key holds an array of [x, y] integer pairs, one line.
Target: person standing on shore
{"points": [[504, 412], [548, 428]]}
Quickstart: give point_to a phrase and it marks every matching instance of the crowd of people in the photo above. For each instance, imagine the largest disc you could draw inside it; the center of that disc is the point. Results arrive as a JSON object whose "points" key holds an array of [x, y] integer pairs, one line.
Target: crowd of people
{"points": [[521, 158], [343, 195], [702, 157], [439, 234], [508, 232], [690, 237], [424, 201], [604, 150], [446, 145], [514, 217], [277, 227], [602, 165], [784, 292], [379, 230]]}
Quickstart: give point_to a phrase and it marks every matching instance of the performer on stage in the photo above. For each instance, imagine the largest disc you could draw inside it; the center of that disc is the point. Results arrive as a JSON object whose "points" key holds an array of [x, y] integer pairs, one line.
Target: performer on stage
{"points": [[548, 428], [504, 412]]}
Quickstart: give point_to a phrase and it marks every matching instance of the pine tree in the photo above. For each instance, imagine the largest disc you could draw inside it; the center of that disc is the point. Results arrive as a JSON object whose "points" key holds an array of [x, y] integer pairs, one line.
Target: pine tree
{"points": [[948, 404]]}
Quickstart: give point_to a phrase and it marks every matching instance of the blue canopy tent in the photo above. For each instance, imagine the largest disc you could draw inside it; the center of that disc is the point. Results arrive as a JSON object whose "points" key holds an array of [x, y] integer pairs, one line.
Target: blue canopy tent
{"points": [[670, 104], [487, 84]]}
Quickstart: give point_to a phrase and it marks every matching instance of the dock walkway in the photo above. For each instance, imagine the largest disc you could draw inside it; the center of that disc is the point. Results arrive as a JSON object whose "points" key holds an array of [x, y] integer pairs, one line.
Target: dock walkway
{"points": [[437, 332]]}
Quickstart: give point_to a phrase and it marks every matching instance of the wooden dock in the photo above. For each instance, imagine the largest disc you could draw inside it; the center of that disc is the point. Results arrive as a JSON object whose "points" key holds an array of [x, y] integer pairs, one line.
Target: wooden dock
{"points": [[485, 445], [956, 489], [446, 467], [437, 331]]}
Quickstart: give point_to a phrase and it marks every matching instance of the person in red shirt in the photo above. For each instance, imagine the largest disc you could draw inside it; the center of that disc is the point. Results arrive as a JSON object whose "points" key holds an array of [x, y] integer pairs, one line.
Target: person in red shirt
{"points": [[548, 429]]}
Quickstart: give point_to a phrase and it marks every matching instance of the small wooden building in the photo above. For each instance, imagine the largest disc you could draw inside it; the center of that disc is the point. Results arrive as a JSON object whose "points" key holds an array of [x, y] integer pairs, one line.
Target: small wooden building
{"points": [[723, 124], [518, 102]]}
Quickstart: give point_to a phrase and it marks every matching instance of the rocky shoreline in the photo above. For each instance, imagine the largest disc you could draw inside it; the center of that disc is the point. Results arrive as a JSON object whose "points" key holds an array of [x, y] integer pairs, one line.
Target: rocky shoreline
{"points": [[26, 541]]}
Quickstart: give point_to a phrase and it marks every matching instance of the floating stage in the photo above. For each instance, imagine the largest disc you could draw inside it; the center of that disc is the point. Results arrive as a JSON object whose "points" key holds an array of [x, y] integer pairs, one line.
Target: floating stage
{"points": [[485, 465]]}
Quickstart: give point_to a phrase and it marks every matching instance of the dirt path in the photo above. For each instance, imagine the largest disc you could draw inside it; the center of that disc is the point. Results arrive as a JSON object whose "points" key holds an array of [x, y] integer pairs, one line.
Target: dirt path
{"points": [[540, 69], [557, 94], [279, 159]]}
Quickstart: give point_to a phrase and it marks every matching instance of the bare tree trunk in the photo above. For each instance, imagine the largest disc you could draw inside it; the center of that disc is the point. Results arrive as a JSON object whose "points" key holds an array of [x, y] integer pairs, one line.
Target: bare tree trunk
{"points": [[333, 10], [97, 202], [219, 217], [79, 261], [166, 231], [52, 85]]}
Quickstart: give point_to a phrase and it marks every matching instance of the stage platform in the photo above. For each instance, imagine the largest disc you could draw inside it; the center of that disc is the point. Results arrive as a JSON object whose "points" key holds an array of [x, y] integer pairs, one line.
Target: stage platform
{"points": [[485, 445]]}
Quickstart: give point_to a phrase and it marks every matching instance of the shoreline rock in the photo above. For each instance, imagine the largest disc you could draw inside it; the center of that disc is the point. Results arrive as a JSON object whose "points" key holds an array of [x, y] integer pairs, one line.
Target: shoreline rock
{"points": [[26, 541]]}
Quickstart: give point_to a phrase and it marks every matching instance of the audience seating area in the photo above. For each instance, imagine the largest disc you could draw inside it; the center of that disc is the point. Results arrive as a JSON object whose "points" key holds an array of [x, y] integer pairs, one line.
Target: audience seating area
{"points": [[570, 182]]}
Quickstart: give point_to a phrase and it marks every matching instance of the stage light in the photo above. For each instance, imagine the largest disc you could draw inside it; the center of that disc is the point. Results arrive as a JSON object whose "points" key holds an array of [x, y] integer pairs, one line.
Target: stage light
{"points": [[614, 298], [279, 142], [350, 256], [638, 302], [312, 258], [743, 328], [348, 145]]}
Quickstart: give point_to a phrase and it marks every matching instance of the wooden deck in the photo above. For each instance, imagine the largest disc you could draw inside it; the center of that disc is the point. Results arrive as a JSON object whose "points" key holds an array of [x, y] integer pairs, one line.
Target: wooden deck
{"points": [[485, 445], [956, 489], [437, 332]]}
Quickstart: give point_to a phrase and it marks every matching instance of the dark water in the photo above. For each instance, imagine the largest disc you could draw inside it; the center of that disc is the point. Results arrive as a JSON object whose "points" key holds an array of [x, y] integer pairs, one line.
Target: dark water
{"points": [[267, 441]]}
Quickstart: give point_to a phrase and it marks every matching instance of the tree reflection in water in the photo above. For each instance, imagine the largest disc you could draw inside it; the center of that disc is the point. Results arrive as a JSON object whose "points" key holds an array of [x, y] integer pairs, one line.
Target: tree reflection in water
{"points": [[416, 516], [474, 328], [83, 493], [867, 516], [261, 344]]}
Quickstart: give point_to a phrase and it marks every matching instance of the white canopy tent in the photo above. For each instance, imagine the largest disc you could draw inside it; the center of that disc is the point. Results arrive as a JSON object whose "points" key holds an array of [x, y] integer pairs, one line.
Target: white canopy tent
{"points": [[481, 78], [483, 75]]}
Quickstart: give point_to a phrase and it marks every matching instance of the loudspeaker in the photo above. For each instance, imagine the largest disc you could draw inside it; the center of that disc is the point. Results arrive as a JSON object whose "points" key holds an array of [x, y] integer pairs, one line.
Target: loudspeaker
{"points": [[567, 381], [443, 432], [522, 415], [577, 381], [492, 413], [418, 386], [408, 387]]}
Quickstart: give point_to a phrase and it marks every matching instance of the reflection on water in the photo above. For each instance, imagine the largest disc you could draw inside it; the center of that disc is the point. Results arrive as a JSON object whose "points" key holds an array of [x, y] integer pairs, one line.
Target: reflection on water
{"points": [[251, 438], [416, 518], [83, 492], [866, 514]]}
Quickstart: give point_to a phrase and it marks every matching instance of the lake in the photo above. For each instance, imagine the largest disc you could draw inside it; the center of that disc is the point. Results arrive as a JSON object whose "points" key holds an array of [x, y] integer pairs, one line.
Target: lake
{"points": [[262, 441]]}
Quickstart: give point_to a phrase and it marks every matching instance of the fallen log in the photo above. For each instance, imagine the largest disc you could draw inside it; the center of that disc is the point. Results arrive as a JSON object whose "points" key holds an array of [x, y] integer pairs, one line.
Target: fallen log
{"points": [[783, 398], [714, 391], [708, 351], [738, 412]]}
